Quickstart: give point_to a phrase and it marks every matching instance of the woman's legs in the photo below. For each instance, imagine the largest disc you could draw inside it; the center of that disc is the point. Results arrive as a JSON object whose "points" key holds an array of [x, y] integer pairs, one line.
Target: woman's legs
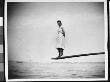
{"points": [[60, 50]]}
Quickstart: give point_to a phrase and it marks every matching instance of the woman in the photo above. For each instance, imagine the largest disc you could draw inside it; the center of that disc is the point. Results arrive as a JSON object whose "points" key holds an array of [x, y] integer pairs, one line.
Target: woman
{"points": [[60, 38]]}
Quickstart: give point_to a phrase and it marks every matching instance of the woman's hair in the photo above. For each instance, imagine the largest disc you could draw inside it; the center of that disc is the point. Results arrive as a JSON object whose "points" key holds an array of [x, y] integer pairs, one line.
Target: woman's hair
{"points": [[59, 21]]}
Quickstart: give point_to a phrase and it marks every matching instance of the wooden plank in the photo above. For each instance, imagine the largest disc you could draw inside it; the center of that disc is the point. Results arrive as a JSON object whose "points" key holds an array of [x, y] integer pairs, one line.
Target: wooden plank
{"points": [[72, 56]]}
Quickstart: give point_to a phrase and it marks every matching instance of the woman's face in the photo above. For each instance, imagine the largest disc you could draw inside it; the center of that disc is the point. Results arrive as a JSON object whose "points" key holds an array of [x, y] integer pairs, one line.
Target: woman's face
{"points": [[59, 23]]}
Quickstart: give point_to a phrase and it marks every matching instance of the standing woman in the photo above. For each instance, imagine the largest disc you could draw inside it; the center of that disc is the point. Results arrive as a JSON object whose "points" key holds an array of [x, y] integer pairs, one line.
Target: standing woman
{"points": [[60, 38]]}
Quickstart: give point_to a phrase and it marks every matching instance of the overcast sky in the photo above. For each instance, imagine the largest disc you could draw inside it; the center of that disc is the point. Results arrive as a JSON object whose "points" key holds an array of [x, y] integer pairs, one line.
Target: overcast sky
{"points": [[32, 30]]}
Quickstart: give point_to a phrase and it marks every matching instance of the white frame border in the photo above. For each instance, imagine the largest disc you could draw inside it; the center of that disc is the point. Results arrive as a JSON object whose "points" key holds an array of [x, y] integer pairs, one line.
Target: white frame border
{"points": [[87, 79]]}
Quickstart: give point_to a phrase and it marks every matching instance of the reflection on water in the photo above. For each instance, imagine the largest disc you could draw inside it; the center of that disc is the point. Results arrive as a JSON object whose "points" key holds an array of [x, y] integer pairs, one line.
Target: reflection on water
{"points": [[55, 70]]}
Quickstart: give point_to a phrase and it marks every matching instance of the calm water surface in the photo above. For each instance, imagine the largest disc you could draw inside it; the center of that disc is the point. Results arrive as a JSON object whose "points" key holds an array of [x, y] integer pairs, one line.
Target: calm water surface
{"points": [[55, 70]]}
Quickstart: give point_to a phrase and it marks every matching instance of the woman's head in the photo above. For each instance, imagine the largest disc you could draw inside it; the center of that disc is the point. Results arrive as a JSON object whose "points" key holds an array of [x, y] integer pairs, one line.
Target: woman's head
{"points": [[59, 23]]}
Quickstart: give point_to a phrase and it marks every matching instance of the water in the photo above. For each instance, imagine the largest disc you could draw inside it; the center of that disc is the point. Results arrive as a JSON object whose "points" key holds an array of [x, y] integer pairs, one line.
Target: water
{"points": [[55, 70]]}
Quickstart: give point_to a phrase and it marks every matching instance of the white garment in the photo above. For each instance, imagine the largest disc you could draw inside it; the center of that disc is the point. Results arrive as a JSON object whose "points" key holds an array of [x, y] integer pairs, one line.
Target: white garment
{"points": [[60, 38]]}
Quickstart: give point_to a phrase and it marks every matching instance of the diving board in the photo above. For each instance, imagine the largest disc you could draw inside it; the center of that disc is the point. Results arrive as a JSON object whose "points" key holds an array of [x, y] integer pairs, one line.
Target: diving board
{"points": [[63, 57]]}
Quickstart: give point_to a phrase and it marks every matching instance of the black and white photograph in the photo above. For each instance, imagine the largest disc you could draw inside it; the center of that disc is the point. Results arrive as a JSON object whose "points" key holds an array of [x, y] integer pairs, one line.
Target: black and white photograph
{"points": [[56, 40]]}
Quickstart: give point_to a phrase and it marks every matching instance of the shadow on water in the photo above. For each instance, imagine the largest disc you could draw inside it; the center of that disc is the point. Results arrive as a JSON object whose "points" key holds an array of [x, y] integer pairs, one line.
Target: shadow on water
{"points": [[63, 57]]}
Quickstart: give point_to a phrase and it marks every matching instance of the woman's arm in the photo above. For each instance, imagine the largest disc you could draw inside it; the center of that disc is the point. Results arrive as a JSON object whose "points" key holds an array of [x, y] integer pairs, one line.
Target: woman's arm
{"points": [[63, 32]]}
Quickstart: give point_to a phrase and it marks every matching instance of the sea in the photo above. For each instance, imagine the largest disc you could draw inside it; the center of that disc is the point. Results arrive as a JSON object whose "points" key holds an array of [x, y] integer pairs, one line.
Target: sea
{"points": [[55, 70]]}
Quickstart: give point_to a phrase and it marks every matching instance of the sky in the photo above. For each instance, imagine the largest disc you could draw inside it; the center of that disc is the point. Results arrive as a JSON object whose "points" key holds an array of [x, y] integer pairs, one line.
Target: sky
{"points": [[32, 29]]}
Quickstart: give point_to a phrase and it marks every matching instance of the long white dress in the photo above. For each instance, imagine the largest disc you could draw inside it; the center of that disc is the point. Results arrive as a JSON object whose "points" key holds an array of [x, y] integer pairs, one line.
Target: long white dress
{"points": [[60, 38]]}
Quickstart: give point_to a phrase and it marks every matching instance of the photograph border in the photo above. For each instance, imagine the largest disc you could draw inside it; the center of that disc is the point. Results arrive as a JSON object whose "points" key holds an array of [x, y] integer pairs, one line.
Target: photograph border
{"points": [[85, 79]]}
